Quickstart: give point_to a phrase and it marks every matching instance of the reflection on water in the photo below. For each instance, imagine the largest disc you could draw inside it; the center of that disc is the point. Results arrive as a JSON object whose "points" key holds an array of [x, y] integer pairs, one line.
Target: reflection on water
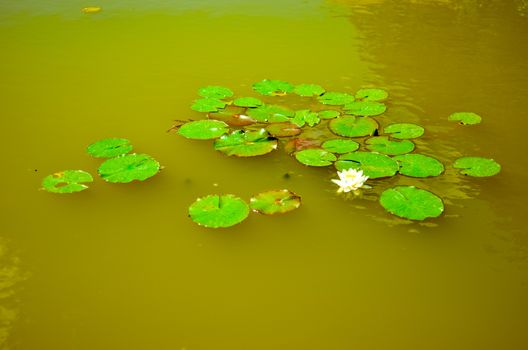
{"points": [[10, 275]]}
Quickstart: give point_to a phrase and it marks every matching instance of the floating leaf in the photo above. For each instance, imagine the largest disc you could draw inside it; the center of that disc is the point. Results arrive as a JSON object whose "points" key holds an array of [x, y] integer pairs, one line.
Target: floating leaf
{"points": [[283, 129], [203, 129], [315, 157], [247, 102], [328, 114], [308, 90], [215, 92], [418, 165], [299, 143], [67, 181], [109, 148], [242, 143], [270, 114], [351, 126], [128, 168], [275, 202], [466, 118], [382, 144], [273, 87], [477, 166], [208, 105], [336, 98], [372, 94], [232, 115], [374, 165], [404, 131], [411, 203], [340, 145], [305, 116], [365, 108], [218, 211]]}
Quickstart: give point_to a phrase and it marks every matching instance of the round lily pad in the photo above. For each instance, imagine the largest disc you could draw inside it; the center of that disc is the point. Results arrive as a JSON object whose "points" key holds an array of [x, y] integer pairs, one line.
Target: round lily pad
{"points": [[304, 117], [247, 102], [242, 143], [328, 114], [275, 202], [283, 129], [465, 118], [365, 108], [404, 131], [372, 94], [309, 90], [208, 105], [411, 203], [374, 165], [270, 114], [351, 126], [477, 166], [232, 115], [382, 144], [128, 168], [335, 98], [216, 211], [203, 129], [215, 92], [109, 148], [340, 145], [419, 165], [315, 157], [273, 87], [67, 181]]}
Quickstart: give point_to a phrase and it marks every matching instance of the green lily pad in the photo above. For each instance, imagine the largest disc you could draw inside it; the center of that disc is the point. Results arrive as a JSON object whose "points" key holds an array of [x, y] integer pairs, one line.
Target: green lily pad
{"points": [[275, 202], [374, 165], [232, 115], [109, 148], [270, 114], [273, 87], [216, 211], [242, 143], [215, 92], [247, 102], [203, 129], [340, 145], [365, 108], [335, 98], [67, 181], [309, 90], [418, 165], [351, 126], [283, 129], [372, 94], [465, 118], [382, 144], [328, 114], [130, 167], [304, 117], [411, 203], [404, 131], [315, 157], [477, 166], [208, 105]]}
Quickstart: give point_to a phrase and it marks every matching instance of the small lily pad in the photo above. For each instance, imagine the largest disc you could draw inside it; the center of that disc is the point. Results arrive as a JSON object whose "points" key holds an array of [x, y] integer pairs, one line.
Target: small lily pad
{"points": [[283, 129], [275, 202], [328, 114], [419, 165], [411, 203], [365, 108], [300, 143], [477, 166], [315, 157], [130, 167], [374, 165], [232, 115], [270, 114], [335, 98], [351, 126], [67, 181], [404, 131], [340, 145], [372, 94], [247, 102], [309, 90], [304, 117], [109, 148], [465, 118], [242, 143], [203, 129], [208, 105], [382, 144], [216, 211], [273, 87], [215, 92]]}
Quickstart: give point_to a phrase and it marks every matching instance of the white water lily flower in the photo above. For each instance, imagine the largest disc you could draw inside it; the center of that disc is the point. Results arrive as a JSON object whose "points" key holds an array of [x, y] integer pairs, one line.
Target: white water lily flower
{"points": [[350, 180]]}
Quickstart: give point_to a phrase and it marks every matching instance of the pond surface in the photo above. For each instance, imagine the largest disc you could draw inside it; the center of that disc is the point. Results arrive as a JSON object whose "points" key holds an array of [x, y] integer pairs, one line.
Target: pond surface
{"points": [[123, 267]]}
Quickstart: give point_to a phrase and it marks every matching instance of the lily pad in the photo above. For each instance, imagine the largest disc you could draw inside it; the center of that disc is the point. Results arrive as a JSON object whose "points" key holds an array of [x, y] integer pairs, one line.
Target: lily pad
{"points": [[372, 94], [335, 98], [130, 167], [300, 143], [215, 92], [109, 148], [203, 129], [328, 114], [247, 102], [315, 157], [340, 145], [382, 144], [242, 143], [477, 166], [309, 90], [67, 181], [208, 105], [365, 108], [273, 87], [275, 202], [283, 129], [270, 114], [232, 115], [404, 131], [304, 117], [411, 203], [419, 165], [351, 126], [216, 211], [465, 118], [374, 165]]}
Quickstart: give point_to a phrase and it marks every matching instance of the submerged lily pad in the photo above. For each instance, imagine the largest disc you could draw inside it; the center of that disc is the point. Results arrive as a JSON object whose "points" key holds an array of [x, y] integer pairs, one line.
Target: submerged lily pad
{"points": [[372, 94], [477, 166], [419, 165], [242, 143], [283, 129], [203, 129], [232, 115], [216, 211], [465, 118], [374, 165], [300, 143], [315, 157], [404, 131], [411, 203], [351, 126], [270, 114], [328, 114], [128, 168], [109, 148], [215, 92], [275, 202], [309, 90], [273, 87], [247, 102], [336, 98], [208, 105], [365, 108], [305, 116], [382, 144], [67, 181], [340, 145]]}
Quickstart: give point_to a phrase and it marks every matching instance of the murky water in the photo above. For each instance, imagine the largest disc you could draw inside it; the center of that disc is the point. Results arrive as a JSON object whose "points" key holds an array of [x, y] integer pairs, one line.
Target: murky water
{"points": [[122, 267]]}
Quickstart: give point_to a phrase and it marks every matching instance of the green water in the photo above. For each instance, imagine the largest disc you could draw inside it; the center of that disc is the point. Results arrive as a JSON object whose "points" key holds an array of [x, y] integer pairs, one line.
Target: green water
{"points": [[123, 267]]}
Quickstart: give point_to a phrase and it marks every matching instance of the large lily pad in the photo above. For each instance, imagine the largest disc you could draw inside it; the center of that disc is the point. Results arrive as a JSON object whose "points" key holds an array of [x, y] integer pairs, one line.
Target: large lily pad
{"points": [[215, 92], [328, 114], [372, 94], [315, 157], [335, 98], [465, 118], [365, 108], [273, 87], [203, 129], [67, 181], [247, 102], [411, 203], [109, 148], [419, 165], [242, 143], [275, 202], [208, 105], [477, 166], [283, 129], [382, 144], [340, 145], [128, 168], [304, 117], [404, 130], [309, 90], [232, 115], [374, 165], [270, 114], [351, 126], [216, 211]]}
